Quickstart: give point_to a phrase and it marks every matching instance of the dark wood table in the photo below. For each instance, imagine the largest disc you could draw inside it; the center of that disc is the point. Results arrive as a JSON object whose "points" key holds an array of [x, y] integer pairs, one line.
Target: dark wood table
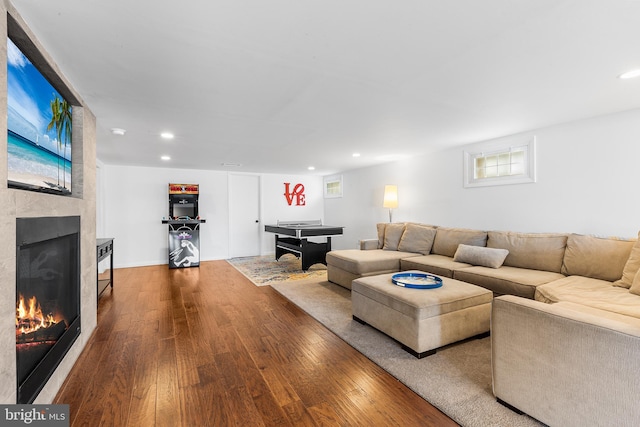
{"points": [[104, 248]]}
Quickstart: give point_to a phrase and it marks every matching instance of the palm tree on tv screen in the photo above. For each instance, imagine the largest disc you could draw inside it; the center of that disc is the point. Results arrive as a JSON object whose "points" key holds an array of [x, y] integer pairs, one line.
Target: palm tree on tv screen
{"points": [[61, 121]]}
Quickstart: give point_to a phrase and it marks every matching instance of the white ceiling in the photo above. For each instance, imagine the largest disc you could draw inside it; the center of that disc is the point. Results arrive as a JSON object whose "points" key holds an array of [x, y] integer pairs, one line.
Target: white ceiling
{"points": [[281, 85]]}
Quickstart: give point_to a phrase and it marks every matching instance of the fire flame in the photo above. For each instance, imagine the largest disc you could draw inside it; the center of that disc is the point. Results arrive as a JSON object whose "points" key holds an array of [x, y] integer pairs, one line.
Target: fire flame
{"points": [[29, 316]]}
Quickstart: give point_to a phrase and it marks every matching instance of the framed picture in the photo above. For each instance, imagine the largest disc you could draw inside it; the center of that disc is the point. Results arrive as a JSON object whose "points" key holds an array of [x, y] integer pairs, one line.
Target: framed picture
{"points": [[332, 186]]}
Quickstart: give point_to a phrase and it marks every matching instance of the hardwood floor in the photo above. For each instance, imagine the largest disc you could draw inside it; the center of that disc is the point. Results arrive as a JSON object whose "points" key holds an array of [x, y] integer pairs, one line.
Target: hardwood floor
{"points": [[206, 347]]}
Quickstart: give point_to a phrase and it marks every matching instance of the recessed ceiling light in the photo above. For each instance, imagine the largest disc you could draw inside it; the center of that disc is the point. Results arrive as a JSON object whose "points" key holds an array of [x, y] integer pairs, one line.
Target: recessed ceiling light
{"points": [[165, 158], [231, 165], [167, 135], [311, 168], [630, 74], [118, 131], [356, 154]]}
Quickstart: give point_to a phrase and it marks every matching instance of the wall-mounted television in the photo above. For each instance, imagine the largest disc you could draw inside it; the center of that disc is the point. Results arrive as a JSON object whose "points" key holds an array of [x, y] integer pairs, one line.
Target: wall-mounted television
{"points": [[39, 128]]}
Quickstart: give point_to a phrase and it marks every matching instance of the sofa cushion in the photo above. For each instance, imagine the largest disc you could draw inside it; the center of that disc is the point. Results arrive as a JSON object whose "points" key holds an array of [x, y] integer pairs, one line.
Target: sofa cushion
{"points": [[392, 236], [417, 238], [535, 251], [635, 285], [596, 257], [365, 262], [439, 265], [631, 267], [477, 255], [591, 292], [602, 314], [448, 239], [507, 280]]}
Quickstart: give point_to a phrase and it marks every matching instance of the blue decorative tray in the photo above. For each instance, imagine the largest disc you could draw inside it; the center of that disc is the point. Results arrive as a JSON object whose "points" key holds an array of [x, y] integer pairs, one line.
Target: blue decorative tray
{"points": [[416, 280]]}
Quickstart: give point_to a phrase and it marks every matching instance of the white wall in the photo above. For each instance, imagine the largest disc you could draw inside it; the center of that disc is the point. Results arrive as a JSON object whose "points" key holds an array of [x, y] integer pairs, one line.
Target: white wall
{"points": [[587, 183], [135, 199], [275, 207]]}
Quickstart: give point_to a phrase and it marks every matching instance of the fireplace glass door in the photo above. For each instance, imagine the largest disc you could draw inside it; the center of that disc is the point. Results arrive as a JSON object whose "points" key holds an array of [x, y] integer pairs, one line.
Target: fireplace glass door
{"points": [[47, 298]]}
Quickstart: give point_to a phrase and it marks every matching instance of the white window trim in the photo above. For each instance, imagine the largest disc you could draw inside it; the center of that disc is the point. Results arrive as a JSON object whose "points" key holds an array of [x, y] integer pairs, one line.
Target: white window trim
{"points": [[333, 179], [500, 146]]}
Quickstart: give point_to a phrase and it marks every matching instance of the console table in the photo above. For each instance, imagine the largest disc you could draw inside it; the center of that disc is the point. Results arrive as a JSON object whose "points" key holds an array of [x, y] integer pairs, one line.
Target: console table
{"points": [[104, 248]]}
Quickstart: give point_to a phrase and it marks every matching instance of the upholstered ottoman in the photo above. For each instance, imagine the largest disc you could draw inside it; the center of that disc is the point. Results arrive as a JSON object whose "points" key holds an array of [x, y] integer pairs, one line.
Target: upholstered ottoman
{"points": [[422, 320]]}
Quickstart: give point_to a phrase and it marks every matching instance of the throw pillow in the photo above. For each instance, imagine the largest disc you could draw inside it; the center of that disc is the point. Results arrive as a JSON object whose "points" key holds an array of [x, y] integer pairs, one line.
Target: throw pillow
{"points": [[635, 285], [479, 255], [392, 236], [381, 227], [631, 267], [417, 238]]}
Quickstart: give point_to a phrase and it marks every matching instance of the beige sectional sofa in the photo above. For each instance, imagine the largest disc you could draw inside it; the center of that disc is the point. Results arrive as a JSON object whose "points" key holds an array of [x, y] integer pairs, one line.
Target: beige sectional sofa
{"points": [[546, 266], [565, 326]]}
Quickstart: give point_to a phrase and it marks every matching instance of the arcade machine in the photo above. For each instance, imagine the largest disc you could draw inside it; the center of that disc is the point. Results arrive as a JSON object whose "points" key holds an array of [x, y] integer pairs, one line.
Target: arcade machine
{"points": [[184, 226]]}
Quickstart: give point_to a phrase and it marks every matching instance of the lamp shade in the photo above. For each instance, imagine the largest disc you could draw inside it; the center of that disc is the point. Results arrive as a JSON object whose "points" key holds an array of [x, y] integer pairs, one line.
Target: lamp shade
{"points": [[390, 196]]}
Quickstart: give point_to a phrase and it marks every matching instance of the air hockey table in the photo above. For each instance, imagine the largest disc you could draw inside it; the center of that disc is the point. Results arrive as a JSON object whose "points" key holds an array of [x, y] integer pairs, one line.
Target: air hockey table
{"points": [[292, 238]]}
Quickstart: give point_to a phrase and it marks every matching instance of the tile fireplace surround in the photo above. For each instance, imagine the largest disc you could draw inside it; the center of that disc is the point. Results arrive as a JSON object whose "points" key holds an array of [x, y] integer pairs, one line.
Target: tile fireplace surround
{"points": [[18, 203]]}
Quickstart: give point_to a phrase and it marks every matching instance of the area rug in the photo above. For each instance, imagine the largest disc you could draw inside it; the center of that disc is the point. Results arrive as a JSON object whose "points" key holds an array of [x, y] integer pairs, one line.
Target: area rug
{"points": [[264, 270], [457, 379]]}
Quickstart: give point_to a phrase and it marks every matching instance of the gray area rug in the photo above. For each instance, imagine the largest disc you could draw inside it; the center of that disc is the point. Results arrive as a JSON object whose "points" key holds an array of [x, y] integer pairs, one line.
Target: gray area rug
{"points": [[457, 379]]}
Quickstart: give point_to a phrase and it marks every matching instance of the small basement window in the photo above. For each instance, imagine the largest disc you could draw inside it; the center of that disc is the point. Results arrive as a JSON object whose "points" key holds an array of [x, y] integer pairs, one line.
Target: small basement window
{"points": [[332, 186], [492, 164]]}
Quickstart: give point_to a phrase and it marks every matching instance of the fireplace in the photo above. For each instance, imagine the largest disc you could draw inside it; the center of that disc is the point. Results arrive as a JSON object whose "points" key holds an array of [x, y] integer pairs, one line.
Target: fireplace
{"points": [[47, 298]]}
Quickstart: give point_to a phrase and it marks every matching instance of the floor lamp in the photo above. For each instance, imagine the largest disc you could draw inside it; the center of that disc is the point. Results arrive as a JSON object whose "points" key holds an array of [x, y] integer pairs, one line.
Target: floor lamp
{"points": [[390, 198]]}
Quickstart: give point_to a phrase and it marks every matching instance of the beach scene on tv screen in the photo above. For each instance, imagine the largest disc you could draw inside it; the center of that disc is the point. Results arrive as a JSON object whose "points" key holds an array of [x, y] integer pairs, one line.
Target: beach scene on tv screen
{"points": [[39, 127]]}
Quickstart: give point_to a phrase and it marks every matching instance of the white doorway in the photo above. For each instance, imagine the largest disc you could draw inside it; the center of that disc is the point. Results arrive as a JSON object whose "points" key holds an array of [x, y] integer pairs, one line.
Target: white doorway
{"points": [[244, 215]]}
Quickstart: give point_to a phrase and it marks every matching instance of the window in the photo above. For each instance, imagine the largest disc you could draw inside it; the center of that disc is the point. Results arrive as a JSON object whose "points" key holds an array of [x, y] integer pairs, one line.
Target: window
{"points": [[500, 164], [332, 186]]}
